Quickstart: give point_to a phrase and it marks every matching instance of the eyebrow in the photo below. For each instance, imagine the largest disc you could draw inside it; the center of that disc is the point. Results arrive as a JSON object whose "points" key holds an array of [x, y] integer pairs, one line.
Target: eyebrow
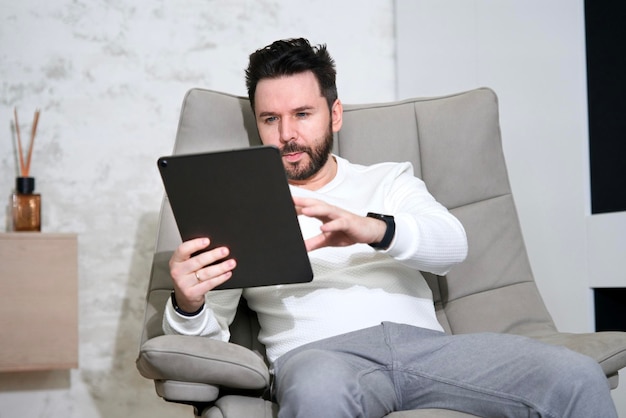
{"points": [[296, 110]]}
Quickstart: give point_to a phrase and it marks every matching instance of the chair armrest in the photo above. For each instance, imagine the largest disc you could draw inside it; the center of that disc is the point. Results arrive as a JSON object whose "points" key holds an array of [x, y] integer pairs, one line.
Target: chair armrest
{"points": [[202, 360], [607, 348]]}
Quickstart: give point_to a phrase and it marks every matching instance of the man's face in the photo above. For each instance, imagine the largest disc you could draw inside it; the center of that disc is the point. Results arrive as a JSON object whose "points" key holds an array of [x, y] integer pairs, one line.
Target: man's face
{"points": [[292, 115]]}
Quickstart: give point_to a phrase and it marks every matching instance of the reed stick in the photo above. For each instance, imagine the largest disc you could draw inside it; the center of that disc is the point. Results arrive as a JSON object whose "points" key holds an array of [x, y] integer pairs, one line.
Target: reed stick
{"points": [[19, 143], [25, 166], [33, 132]]}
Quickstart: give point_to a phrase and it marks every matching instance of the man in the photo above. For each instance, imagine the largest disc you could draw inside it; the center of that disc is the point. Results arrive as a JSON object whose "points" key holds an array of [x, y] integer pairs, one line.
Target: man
{"points": [[362, 339]]}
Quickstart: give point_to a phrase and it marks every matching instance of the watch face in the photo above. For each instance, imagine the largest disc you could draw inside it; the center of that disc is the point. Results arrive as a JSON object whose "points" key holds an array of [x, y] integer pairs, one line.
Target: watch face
{"points": [[379, 216]]}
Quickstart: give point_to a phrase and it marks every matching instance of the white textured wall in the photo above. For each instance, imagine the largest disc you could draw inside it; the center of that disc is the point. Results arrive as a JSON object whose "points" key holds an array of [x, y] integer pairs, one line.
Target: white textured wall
{"points": [[109, 77]]}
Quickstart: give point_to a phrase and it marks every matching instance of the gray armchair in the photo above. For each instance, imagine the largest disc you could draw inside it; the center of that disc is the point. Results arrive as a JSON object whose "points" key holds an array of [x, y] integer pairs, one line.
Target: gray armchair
{"points": [[454, 144]]}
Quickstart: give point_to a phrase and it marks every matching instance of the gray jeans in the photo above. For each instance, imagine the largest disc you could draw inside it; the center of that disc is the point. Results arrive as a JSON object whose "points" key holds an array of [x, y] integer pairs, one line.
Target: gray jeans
{"points": [[394, 367]]}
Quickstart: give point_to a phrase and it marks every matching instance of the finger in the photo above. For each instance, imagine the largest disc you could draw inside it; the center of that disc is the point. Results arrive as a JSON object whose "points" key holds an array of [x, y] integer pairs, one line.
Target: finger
{"points": [[303, 201], [210, 277], [197, 283], [214, 270], [320, 210], [339, 224], [299, 204], [210, 284], [315, 242], [181, 263], [208, 257], [187, 248], [307, 202]]}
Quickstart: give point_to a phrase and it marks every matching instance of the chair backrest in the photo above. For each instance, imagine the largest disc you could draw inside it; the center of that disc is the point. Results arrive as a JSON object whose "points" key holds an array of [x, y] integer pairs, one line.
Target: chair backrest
{"points": [[455, 146]]}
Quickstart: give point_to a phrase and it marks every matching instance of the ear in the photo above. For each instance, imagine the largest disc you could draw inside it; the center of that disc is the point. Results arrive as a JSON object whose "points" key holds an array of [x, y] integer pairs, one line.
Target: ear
{"points": [[336, 115]]}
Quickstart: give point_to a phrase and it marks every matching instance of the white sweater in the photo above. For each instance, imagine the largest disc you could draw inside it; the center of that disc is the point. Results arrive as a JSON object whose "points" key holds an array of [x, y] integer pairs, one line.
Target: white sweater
{"points": [[353, 287]]}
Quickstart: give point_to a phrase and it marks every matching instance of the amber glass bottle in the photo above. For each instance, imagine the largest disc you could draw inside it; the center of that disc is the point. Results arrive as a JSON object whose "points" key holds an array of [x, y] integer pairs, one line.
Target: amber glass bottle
{"points": [[26, 205]]}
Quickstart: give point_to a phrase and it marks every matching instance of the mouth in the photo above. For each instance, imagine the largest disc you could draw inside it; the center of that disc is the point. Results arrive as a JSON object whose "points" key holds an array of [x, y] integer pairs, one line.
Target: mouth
{"points": [[293, 157]]}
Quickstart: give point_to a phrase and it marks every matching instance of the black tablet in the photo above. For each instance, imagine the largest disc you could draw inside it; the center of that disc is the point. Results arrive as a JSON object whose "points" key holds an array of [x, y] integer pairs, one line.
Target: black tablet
{"points": [[240, 199]]}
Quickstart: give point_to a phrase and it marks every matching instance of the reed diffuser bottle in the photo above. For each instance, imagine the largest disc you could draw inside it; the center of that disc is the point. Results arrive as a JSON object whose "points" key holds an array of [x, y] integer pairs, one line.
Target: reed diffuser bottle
{"points": [[26, 205]]}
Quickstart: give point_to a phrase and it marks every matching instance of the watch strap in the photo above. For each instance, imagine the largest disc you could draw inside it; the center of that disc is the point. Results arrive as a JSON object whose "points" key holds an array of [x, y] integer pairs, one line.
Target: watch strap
{"points": [[390, 232], [180, 311]]}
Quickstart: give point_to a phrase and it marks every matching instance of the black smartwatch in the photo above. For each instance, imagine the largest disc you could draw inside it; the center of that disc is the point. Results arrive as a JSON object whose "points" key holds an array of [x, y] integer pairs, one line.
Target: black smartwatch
{"points": [[389, 233]]}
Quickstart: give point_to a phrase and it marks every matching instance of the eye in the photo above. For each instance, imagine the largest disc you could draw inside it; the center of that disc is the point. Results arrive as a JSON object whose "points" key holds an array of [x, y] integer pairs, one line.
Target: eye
{"points": [[302, 115], [270, 119]]}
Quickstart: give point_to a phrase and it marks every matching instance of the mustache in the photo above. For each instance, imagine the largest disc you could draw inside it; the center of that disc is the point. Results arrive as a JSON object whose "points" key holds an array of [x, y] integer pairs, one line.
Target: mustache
{"points": [[292, 147]]}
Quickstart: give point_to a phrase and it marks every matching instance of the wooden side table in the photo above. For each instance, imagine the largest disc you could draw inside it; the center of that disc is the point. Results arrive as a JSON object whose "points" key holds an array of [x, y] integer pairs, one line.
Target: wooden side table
{"points": [[38, 301]]}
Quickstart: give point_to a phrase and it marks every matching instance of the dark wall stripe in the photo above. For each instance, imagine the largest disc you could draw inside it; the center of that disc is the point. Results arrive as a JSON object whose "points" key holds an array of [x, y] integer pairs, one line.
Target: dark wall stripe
{"points": [[606, 87]]}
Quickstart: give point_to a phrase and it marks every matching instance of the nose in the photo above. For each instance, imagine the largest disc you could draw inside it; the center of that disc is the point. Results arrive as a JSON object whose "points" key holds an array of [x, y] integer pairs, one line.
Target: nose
{"points": [[287, 131]]}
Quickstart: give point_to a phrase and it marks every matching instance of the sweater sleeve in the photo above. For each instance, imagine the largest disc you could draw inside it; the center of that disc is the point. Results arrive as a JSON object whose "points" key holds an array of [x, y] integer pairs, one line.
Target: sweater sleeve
{"points": [[212, 321], [428, 237]]}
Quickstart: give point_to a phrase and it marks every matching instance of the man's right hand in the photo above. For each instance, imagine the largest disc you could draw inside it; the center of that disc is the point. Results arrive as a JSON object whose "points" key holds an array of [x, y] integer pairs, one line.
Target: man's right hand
{"points": [[194, 276]]}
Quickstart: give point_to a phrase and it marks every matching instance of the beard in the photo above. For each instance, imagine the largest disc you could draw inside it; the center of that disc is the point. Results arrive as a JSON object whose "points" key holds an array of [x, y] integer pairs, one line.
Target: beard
{"points": [[318, 156]]}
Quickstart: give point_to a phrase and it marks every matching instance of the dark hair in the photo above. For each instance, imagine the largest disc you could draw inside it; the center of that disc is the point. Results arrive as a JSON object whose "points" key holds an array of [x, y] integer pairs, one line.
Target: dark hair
{"points": [[292, 56]]}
